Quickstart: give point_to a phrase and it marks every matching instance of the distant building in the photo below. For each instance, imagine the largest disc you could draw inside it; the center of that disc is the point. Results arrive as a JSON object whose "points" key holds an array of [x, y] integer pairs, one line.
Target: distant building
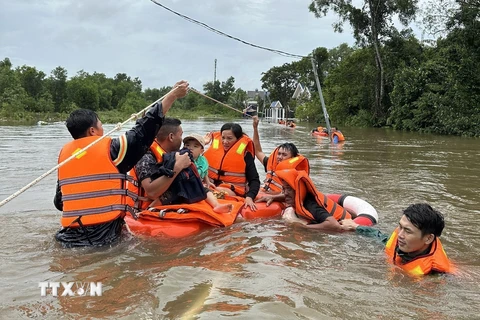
{"points": [[275, 112], [254, 95], [302, 92], [276, 104]]}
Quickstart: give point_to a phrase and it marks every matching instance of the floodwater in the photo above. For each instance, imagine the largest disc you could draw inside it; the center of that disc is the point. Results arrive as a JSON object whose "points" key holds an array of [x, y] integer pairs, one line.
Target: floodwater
{"points": [[259, 269]]}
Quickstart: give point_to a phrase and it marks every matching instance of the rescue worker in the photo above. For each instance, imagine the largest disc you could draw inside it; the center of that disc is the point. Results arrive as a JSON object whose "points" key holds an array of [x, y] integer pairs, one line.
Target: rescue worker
{"points": [[155, 185], [91, 188], [415, 244]]}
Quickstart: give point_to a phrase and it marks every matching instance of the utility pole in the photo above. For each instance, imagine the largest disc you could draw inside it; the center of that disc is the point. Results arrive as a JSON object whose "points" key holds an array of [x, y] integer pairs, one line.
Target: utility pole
{"points": [[215, 73], [327, 120]]}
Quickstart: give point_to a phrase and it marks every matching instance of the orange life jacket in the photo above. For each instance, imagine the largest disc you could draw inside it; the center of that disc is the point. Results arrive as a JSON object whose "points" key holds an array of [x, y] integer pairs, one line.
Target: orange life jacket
{"points": [[436, 260], [227, 169], [339, 135], [272, 183], [142, 201], [93, 191], [302, 184]]}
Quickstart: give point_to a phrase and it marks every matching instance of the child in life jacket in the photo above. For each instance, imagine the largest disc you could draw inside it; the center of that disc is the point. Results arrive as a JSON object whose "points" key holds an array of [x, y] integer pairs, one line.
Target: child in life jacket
{"points": [[196, 144]]}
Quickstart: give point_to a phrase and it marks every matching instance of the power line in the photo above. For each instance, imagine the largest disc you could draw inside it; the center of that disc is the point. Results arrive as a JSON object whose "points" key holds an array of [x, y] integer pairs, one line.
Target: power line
{"points": [[282, 53]]}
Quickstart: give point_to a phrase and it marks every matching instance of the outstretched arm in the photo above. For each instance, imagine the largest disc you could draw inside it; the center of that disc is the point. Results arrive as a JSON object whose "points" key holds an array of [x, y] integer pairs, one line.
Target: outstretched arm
{"points": [[129, 148], [256, 140], [330, 224]]}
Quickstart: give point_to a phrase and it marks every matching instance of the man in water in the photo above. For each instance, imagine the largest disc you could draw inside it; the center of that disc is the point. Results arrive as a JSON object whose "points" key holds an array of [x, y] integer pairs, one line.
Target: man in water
{"points": [[91, 188], [415, 244]]}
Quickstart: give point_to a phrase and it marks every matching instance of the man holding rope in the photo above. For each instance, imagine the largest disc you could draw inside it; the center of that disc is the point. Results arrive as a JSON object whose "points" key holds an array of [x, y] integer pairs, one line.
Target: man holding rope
{"points": [[91, 189]]}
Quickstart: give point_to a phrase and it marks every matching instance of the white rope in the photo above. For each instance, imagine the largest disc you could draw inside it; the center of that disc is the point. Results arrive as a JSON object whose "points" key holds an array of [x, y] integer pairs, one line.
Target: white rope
{"points": [[223, 104], [116, 128]]}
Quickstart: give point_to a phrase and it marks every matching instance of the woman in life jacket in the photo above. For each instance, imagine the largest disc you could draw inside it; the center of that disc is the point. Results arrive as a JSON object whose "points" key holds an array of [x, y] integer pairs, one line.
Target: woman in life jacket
{"points": [[232, 164], [415, 244]]}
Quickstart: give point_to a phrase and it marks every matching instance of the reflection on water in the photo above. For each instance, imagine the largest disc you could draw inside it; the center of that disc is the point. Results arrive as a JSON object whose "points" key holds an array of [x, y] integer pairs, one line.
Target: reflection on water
{"points": [[258, 269]]}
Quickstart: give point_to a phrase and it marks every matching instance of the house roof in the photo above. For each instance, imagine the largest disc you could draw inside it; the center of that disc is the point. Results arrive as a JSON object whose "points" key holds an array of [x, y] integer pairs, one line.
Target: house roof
{"points": [[276, 104], [301, 90]]}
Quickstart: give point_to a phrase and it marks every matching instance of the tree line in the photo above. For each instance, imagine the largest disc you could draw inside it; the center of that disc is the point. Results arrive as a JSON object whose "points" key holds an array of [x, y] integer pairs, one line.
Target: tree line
{"points": [[388, 78], [24, 91]]}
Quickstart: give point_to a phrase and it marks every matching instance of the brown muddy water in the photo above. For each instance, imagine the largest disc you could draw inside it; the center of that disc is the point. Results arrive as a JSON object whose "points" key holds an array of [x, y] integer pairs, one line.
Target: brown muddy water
{"points": [[260, 269]]}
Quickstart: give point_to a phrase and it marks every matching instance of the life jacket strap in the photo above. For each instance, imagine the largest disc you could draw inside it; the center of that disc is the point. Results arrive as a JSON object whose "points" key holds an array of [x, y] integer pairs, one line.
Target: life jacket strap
{"points": [[93, 177], [79, 221], [86, 212], [98, 194]]}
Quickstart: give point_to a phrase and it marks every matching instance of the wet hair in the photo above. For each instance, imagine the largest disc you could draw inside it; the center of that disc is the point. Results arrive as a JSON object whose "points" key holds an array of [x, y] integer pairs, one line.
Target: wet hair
{"points": [[235, 127], [289, 147], [425, 218], [79, 121], [169, 125]]}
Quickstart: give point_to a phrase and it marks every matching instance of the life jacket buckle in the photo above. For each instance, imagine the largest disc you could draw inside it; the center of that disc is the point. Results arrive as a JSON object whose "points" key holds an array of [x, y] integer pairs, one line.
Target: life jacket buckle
{"points": [[162, 213]]}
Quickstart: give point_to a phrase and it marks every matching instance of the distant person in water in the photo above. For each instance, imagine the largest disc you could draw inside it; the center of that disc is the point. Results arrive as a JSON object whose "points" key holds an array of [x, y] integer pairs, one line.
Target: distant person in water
{"points": [[415, 244]]}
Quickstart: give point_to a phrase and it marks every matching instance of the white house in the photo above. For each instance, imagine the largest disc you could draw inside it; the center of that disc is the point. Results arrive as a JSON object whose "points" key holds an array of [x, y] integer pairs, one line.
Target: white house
{"points": [[301, 92]]}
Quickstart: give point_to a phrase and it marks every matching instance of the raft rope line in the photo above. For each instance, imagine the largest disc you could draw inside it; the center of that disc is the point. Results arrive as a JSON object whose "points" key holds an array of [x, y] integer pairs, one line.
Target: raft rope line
{"points": [[117, 127], [223, 104]]}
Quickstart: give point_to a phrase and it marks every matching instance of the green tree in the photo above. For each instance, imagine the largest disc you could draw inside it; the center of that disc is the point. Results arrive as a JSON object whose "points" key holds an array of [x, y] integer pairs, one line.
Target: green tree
{"points": [[280, 82], [350, 89], [152, 94], [122, 85], [336, 56], [219, 91], [134, 102], [442, 93], [83, 92], [372, 22], [57, 85], [31, 80], [8, 78]]}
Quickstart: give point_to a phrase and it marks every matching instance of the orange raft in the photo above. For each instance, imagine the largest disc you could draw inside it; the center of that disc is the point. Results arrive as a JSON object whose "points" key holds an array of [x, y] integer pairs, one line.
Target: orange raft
{"points": [[182, 220], [320, 131], [337, 136]]}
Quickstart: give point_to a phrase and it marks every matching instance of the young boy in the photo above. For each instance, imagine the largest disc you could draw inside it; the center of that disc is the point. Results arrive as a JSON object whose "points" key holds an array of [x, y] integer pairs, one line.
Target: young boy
{"points": [[196, 144]]}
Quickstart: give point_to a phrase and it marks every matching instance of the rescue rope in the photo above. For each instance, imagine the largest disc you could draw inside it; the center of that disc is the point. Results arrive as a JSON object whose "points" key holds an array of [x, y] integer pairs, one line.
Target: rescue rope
{"points": [[223, 104], [75, 154], [230, 107]]}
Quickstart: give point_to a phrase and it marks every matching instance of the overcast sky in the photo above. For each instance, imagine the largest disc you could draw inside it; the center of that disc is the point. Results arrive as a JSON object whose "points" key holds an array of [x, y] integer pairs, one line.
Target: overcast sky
{"points": [[144, 40]]}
